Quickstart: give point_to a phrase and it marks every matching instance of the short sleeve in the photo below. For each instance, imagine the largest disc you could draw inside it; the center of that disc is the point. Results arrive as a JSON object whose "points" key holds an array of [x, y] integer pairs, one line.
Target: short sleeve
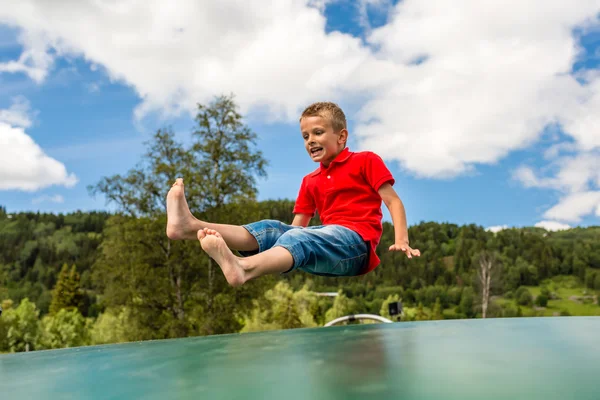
{"points": [[376, 172], [305, 204]]}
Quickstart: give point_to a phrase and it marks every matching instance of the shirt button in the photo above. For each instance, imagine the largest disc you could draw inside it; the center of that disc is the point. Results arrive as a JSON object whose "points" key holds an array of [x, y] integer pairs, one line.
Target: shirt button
{"points": [[328, 176]]}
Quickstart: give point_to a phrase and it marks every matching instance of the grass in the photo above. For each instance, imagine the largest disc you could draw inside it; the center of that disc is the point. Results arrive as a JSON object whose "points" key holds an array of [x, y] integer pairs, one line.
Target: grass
{"points": [[570, 298]]}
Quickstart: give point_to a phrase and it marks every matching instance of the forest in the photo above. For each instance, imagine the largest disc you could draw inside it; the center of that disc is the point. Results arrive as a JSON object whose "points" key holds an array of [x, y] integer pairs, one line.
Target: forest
{"points": [[87, 278]]}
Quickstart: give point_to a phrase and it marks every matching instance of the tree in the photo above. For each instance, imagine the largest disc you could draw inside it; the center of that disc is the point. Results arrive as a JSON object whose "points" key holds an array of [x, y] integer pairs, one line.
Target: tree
{"points": [[541, 300], [466, 302], [67, 293], [437, 310], [342, 306], [421, 315], [185, 295], [228, 164], [523, 297], [282, 308], [488, 265], [4, 324], [66, 328], [22, 326], [112, 326]]}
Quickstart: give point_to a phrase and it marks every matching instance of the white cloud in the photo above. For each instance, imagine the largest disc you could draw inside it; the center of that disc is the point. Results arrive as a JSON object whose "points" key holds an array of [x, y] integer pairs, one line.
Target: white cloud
{"points": [[576, 177], [52, 199], [273, 56], [490, 77], [496, 229], [494, 76], [35, 59], [552, 226], [23, 164], [574, 206], [364, 6], [19, 113], [570, 174]]}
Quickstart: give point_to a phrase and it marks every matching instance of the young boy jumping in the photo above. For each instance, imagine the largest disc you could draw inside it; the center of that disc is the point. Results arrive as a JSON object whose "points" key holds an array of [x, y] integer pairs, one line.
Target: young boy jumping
{"points": [[346, 189]]}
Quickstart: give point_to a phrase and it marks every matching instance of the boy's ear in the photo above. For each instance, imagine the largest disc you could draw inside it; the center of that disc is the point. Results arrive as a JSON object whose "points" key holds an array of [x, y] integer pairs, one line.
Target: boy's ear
{"points": [[343, 136]]}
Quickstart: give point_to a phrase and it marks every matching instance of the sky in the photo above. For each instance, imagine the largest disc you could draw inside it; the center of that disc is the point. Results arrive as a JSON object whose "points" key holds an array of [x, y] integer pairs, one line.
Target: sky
{"points": [[486, 112]]}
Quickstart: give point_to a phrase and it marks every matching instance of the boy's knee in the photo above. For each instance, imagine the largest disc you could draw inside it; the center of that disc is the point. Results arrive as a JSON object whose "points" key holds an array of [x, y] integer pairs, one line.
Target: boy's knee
{"points": [[272, 223], [294, 234]]}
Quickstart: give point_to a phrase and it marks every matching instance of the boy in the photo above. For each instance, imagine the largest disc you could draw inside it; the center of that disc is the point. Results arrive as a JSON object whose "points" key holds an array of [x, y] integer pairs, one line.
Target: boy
{"points": [[346, 190]]}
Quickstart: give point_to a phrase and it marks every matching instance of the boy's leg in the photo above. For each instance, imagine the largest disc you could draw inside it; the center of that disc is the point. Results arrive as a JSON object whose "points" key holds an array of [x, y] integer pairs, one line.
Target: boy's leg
{"points": [[238, 270], [181, 224], [329, 250]]}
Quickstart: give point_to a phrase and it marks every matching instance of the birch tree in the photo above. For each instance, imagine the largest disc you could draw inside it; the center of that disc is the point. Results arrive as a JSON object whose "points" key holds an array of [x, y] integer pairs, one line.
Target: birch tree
{"points": [[487, 268]]}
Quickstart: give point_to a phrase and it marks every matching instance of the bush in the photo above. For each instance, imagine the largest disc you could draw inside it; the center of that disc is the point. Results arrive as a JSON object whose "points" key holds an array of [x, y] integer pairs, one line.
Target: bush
{"points": [[525, 298], [454, 295], [541, 300], [509, 312]]}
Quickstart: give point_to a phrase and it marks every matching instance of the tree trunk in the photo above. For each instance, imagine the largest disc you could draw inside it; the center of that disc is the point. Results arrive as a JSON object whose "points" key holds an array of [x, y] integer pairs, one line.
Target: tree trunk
{"points": [[486, 264], [175, 279], [208, 326]]}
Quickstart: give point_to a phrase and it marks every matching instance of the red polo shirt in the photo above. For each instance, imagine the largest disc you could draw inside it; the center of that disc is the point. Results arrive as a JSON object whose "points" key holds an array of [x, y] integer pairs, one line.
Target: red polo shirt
{"points": [[345, 193]]}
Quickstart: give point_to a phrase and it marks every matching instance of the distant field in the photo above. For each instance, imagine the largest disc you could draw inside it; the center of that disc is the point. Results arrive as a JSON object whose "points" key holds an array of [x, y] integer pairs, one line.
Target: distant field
{"points": [[572, 298]]}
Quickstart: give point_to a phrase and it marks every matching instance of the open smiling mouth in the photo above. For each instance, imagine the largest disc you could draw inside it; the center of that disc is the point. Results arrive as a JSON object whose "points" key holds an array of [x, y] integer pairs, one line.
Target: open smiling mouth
{"points": [[315, 151]]}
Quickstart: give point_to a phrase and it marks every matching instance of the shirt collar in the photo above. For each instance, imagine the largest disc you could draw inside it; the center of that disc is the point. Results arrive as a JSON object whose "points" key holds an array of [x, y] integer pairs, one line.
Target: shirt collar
{"points": [[340, 158]]}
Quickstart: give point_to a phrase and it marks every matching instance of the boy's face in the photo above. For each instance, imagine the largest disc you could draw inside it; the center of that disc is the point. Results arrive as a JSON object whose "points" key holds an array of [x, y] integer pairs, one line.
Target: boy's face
{"points": [[320, 140]]}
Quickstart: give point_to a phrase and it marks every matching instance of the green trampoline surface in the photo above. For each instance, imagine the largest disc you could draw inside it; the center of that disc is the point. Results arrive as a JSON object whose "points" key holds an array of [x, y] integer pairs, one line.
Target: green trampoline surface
{"points": [[517, 358]]}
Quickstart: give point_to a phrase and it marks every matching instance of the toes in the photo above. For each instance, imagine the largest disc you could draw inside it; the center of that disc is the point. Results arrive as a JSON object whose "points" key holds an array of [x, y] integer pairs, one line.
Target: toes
{"points": [[201, 234]]}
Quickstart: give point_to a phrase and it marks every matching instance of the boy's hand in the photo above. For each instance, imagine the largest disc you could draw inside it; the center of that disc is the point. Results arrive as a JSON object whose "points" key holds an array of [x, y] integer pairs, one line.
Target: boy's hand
{"points": [[406, 249]]}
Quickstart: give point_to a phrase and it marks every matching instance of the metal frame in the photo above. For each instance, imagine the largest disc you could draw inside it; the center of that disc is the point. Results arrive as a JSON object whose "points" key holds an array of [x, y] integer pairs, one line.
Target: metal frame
{"points": [[359, 316]]}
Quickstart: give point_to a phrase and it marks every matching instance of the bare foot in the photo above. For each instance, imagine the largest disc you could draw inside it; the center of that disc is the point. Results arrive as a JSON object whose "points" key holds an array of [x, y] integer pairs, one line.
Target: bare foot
{"points": [[181, 224], [212, 242]]}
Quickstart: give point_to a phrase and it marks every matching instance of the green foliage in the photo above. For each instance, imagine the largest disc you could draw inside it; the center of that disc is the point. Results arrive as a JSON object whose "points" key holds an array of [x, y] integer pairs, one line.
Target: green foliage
{"points": [[66, 328], [34, 246], [67, 293], [420, 314], [114, 325], [467, 303], [5, 323], [22, 324], [282, 308], [136, 284], [342, 306], [172, 288], [226, 159], [437, 310], [541, 300], [524, 297]]}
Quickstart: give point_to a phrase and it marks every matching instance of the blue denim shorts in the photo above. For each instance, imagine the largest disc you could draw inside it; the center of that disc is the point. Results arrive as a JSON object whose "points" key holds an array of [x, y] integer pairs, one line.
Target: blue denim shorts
{"points": [[327, 250]]}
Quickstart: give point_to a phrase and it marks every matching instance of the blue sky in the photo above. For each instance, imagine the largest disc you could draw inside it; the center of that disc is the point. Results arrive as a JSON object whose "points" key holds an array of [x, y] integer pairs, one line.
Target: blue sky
{"points": [[508, 171]]}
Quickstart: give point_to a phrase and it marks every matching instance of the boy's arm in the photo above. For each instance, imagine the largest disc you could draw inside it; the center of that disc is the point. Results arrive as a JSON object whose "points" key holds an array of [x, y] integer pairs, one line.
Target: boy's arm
{"points": [[398, 213], [301, 220]]}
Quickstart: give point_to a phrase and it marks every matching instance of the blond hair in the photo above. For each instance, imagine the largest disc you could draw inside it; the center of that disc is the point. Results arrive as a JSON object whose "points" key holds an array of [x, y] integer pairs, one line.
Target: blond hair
{"points": [[328, 110]]}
